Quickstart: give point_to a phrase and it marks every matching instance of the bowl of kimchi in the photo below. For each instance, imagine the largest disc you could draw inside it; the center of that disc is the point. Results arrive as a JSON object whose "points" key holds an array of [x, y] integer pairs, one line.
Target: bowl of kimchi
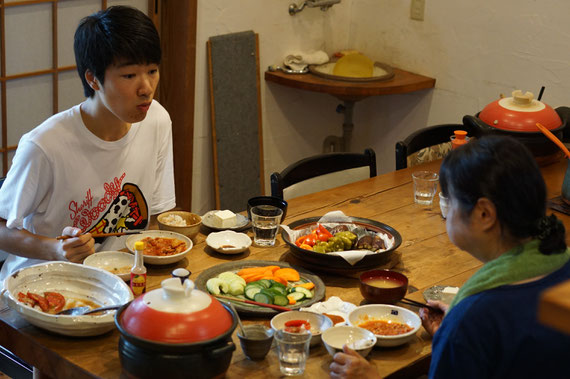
{"points": [[39, 292], [392, 325], [162, 247]]}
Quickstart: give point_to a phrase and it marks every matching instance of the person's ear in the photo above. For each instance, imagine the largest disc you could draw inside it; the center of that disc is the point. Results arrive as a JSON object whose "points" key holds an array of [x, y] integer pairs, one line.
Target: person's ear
{"points": [[485, 214], [92, 80]]}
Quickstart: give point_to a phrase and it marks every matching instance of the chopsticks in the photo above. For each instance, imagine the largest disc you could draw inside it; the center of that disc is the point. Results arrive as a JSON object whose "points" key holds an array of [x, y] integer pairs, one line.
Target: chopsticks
{"points": [[276, 307], [419, 304], [116, 234]]}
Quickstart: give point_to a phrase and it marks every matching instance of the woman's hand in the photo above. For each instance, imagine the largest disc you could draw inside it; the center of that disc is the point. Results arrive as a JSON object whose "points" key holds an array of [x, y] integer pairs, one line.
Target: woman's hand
{"points": [[77, 248], [431, 320], [350, 364]]}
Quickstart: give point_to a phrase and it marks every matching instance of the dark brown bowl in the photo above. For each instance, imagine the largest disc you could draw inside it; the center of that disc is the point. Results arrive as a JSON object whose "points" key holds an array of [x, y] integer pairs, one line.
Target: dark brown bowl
{"points": [[383, 295]]}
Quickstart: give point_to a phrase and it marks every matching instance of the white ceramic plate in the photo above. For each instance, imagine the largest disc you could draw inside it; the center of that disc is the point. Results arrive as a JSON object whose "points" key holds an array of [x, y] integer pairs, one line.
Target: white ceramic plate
{"points": [[242, 222], [333, 306], [388, 313], [73, 281], [116, 262], [228, 242], [319, 323], [156, 260], [441, 293]]}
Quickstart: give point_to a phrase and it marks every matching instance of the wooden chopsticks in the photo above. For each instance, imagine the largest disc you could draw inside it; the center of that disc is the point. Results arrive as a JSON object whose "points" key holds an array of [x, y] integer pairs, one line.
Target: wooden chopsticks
{"points": [[117, 234], [272, 306], [419, 304]]}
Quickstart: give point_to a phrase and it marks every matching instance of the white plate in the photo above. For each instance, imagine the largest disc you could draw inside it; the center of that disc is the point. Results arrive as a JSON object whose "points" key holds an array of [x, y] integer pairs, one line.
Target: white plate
{"points": [[242, 222], [73, 281], [221, 242], [111, 261], [333, 306], [442, 293], [155, 260]]}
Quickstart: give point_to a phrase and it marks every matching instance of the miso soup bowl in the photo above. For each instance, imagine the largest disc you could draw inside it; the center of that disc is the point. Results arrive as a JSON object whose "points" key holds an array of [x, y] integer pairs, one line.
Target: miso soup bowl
{"points": [[383, 286]]}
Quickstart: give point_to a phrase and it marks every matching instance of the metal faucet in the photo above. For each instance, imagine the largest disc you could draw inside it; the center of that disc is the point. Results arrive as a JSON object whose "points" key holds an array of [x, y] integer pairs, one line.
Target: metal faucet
{"points": [[323, 4]]}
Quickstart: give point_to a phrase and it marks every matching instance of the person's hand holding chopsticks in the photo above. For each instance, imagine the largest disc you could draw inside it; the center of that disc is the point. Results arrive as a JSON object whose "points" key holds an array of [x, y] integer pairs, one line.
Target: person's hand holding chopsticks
{"points": [[432, 319], [77, 247]]}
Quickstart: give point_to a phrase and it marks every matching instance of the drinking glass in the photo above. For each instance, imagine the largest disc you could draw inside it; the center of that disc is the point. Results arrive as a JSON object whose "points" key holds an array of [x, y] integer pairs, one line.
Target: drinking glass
{"points": [[425, 186], [265, 221], [293, 350]]}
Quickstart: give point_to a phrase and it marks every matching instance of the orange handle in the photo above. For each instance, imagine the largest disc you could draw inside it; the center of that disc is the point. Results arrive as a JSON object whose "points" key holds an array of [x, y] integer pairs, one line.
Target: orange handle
{"points": [[553, 138]]}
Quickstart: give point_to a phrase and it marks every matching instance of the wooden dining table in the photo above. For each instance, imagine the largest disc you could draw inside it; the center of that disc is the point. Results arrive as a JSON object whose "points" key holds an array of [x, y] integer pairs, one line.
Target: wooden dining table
{"points": [[426, 257]]}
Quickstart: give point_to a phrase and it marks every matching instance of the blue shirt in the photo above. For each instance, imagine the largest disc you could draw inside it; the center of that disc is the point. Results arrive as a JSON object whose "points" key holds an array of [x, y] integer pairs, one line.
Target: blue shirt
{"points": [[496, 334]]}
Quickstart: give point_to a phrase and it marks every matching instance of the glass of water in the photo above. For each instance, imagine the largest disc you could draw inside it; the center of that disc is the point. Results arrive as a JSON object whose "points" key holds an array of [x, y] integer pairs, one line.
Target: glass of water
{"points": [[425, 186], [265, 221], [293, 350]]}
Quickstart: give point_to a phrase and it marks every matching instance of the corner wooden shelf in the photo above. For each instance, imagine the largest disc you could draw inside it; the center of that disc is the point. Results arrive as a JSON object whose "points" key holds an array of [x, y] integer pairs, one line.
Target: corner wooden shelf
{"points": [[350, 92]]}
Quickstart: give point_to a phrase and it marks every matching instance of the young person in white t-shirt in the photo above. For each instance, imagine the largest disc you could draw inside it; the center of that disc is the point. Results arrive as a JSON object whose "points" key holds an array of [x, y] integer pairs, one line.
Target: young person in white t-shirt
{"points": [[102, 166]]}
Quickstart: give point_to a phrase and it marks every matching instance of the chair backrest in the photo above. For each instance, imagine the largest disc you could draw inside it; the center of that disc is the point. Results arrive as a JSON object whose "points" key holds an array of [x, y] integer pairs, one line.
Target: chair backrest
{"points": [[427, 137], [322, 172]]}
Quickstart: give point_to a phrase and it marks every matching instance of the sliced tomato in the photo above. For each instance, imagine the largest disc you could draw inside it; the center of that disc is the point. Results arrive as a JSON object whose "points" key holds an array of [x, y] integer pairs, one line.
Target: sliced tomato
{"points": [[323, 233], [311, 240], [25, 299], [55, 300], [300, 240], [298, 324], [42, 302]]}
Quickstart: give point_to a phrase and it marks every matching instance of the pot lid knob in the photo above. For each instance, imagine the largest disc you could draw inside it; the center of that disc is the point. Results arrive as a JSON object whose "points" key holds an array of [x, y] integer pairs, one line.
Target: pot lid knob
{"points": [[522, 99]]}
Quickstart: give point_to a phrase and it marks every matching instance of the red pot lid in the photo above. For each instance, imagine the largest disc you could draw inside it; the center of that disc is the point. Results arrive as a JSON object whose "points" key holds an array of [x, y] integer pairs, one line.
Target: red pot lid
{"points": [[176, 314], [520, 113]]}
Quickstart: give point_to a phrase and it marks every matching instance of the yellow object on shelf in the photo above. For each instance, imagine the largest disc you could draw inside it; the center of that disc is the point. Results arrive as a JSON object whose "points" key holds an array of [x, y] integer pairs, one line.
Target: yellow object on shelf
{"points": [[354, 65]]}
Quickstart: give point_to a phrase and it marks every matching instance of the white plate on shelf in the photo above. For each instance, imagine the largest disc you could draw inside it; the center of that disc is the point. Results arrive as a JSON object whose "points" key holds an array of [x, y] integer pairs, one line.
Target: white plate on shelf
{"points": [[242, 222], [116, 262], [228, 242], [160, 260]]}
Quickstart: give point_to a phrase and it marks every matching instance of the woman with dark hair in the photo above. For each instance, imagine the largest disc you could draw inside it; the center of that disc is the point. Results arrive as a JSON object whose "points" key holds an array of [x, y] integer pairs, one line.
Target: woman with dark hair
{"points": [[498, 215]]}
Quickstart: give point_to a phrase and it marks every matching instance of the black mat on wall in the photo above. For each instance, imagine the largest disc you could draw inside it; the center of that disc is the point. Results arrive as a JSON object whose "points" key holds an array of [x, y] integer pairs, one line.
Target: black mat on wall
{"points": [[236, 119]]}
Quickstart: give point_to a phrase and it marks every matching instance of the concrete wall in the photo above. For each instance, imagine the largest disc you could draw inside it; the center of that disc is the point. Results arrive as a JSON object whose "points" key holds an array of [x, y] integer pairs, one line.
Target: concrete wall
{"points": [[475, 50]]}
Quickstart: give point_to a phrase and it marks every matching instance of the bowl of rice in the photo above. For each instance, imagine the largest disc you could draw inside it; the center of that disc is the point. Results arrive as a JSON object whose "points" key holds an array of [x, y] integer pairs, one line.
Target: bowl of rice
{"points": [[186, 223]]}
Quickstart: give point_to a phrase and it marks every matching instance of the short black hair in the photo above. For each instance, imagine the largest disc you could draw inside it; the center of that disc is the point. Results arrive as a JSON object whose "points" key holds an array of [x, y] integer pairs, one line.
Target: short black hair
{"points": [[504, 171], [118, 34]]}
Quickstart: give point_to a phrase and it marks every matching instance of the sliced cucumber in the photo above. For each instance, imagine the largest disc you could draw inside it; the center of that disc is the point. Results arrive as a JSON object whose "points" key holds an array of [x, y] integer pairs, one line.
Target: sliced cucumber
{"points": [[269, 293], [251, 290], [262, 298], [276, 284], [308, 293], [265, 282], [278, 290], [297, 296], [280, 300]]}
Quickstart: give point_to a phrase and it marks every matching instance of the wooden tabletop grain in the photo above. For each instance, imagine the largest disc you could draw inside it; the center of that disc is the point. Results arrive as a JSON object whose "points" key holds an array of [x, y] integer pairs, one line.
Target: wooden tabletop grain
{"points": [[426, 256]]}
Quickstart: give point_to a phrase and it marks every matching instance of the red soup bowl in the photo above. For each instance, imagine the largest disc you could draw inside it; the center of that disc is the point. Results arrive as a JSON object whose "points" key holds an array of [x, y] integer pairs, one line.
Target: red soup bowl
{"points": [[383, 286]]}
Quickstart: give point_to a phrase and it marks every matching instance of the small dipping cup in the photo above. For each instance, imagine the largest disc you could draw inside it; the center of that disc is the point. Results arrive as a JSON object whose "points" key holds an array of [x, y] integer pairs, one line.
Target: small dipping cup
{"points": [[256, 342]]}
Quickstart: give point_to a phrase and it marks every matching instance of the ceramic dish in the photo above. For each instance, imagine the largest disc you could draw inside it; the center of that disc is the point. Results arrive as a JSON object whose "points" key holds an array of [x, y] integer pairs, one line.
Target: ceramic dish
{"points": [[160, 260], [75, 282], [191, 220], [389, 313], [358, 339], [254, 310], [319, 323], [242, 222], [334, 308], [228, 242], [328, 262], [381, 71], [116, 262], [441, 293]]}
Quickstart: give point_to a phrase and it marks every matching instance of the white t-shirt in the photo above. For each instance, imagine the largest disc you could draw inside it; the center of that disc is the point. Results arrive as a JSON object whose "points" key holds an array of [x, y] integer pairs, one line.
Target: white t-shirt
{"points": [[63, 175]]}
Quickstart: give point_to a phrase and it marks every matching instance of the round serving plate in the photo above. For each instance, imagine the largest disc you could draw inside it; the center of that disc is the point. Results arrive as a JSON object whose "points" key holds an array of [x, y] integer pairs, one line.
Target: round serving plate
{"points": [[327, 262], [381, 72]]}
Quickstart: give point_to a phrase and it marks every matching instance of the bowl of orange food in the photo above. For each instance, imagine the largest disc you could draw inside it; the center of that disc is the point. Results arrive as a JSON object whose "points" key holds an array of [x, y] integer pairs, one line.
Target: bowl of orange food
{"points": [[162, 247], [392, 325]]}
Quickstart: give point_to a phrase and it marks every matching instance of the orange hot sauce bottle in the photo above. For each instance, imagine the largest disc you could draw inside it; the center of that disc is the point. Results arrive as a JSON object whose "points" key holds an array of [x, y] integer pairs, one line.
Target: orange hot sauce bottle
{"points": [[138, 271]]}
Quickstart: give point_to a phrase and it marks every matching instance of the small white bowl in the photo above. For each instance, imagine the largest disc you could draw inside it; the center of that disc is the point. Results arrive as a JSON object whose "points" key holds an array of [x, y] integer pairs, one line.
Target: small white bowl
{"points": [[75, 282], [360, 340], [228, 242], [319, 323], [387, 312], [116, 262], [160, 260]]}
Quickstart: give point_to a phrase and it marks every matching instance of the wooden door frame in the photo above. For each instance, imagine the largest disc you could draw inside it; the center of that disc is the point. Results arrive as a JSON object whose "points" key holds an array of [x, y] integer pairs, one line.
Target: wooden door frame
{"points": [[176, 22]]}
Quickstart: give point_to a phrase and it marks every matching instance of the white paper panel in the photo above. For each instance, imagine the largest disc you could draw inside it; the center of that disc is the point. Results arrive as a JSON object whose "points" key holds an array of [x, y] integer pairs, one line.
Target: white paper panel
{"points": [[70, 90], [28, 104], [139, 4], [69, 13], [28, 38]]}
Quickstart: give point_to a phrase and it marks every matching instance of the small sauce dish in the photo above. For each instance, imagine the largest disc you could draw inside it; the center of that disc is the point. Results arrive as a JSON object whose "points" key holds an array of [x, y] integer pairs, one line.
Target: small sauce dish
{"points": [[228, 242]]}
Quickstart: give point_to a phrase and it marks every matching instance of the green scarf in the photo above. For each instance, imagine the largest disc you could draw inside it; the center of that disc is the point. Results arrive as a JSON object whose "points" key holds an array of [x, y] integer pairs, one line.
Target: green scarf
{"points": [[520, 263]]}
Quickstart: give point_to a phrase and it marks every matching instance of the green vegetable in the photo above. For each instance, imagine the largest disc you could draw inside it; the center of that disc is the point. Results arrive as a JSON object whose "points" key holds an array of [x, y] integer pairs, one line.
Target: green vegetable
{"points": [[215, 285]]}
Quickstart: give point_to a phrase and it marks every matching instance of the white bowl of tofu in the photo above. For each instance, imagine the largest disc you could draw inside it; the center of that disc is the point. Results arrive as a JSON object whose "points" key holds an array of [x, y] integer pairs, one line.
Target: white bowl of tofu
{"points": [[219, 220]]}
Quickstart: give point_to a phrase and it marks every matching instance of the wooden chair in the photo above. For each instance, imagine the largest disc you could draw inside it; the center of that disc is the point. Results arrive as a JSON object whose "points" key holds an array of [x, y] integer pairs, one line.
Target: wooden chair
{"points": [[322, 172], [428, 137]]}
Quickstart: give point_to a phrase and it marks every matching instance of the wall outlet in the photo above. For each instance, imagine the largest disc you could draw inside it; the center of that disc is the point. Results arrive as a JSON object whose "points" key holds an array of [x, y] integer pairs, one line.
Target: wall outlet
{"points": [[417, 10]]}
